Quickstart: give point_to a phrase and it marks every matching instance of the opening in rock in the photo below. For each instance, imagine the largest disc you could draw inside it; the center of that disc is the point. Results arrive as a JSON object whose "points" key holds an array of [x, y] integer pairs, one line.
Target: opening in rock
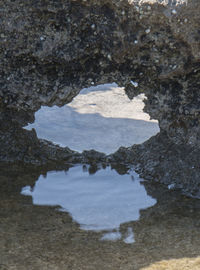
{"points": [[101, 118]]}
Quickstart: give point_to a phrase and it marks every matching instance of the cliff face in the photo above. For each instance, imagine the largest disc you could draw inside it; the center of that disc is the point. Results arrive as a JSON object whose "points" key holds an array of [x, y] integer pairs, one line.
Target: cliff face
{"points": [[50, 50]]}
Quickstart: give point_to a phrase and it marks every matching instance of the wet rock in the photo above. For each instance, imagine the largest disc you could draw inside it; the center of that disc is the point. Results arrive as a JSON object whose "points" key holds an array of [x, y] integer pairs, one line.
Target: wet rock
{"points": [[50, 51], [160, 160]]}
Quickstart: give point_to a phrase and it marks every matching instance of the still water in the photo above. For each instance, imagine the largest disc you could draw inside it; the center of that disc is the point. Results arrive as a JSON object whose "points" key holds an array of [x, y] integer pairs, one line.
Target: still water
{"points": [[98, 202], [79, 219]]}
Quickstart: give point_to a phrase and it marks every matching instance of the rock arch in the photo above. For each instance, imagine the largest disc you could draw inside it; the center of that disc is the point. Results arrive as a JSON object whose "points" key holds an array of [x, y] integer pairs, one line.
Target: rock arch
{"points": [[51, 50]]}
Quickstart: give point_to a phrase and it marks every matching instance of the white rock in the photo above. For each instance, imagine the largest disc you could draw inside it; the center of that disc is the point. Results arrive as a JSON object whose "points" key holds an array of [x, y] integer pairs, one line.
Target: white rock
{"points": [[135, 84]]}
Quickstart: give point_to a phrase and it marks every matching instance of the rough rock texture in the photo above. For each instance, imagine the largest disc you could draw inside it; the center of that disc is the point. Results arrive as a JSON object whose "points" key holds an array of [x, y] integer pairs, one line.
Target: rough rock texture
{"points": [[175, 165], [18, 144], [50, 50]]}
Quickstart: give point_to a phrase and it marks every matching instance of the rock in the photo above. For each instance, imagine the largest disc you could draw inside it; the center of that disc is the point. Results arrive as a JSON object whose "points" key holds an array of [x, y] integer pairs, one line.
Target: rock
{"points": [[50, 51], [161, 160]]}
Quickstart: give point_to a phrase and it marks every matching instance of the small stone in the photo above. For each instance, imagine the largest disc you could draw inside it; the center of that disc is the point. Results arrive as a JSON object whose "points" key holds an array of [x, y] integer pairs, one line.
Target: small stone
{"points": [[135, 84], [42, 38], [147, 31], [109, 57], [171, 186], [187, 112], [174, 11], [136, 41], [93, 26]]}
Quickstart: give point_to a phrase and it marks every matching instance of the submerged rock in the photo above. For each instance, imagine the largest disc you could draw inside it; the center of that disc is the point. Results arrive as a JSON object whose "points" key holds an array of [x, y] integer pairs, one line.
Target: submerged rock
{"points": [[50, 51]]}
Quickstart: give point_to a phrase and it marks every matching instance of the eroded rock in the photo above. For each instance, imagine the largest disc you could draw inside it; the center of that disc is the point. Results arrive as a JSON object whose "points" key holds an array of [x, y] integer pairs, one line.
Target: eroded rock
{"points": [[50, 51]]}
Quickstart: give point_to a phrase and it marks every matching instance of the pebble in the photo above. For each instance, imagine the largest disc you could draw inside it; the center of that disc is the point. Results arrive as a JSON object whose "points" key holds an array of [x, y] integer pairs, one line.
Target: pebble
{"points": [[171, 186], [135, 84], [109, 57]]}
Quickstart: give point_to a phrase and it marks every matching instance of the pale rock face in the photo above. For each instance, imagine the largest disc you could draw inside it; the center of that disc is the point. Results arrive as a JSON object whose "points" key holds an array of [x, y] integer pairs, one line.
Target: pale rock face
{"points": [[101, 118]]}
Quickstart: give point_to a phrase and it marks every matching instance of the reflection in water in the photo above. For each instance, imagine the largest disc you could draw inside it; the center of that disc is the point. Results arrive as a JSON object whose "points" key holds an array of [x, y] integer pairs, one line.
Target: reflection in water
{"points": [[100, 118], [166, 235], [112, 236], [99, 202], [129, 237]]}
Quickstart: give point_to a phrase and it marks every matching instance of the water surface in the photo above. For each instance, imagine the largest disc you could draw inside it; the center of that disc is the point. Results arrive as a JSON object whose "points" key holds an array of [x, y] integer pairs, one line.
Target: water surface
{"points": [[164, 234], [98, 202]]}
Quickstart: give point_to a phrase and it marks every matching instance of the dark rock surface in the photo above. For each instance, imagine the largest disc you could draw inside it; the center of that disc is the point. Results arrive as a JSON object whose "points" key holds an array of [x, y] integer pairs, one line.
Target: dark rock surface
{"points": [[50, 50], [160, 160]]}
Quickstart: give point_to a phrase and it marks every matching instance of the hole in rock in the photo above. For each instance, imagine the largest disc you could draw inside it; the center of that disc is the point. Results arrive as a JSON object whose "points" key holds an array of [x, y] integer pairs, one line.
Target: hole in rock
{"points": [[101, 118], [98, 202]]}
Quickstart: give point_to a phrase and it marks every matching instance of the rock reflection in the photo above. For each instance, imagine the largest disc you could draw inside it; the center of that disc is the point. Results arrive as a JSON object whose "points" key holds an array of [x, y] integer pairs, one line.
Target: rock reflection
{"points": [[167, 231], [98, 202]]}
